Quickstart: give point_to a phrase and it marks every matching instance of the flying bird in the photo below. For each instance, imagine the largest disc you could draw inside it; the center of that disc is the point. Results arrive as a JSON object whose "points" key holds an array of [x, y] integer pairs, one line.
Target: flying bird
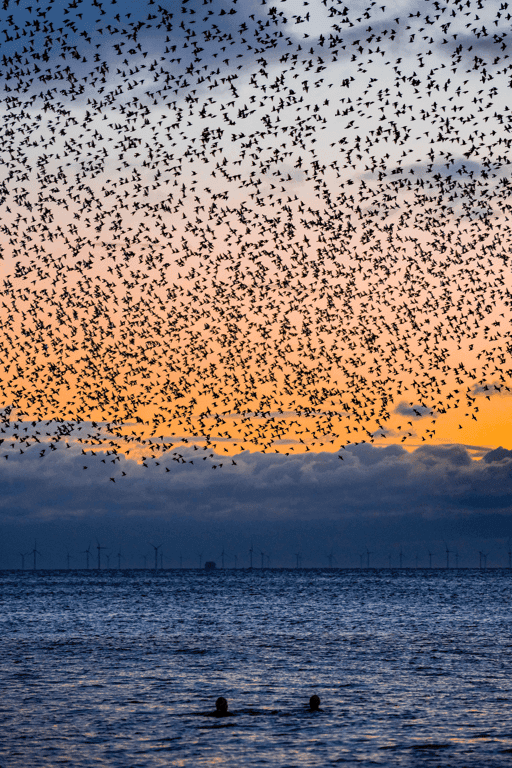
{"points": [[242, 229]]}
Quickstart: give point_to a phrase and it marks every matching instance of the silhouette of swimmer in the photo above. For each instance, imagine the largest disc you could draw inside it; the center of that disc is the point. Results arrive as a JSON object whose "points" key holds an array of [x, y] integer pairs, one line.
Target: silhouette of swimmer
{"points": [[314, 703], [221, 708]]}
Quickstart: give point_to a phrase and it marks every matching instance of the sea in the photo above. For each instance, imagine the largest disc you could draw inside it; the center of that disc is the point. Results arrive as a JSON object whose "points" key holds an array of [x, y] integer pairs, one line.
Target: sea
{"points": [[121, 668]]}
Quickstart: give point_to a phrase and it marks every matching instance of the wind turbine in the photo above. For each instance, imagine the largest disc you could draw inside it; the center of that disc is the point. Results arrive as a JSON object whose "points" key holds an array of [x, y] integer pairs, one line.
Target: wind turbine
{"points": [[368, 553], [330, 557], [119, 556], [262, 557], [68, 558], [430, 558], [236, 561], [448, 552], [156, 554], [23, 555], [99, 548], [145, 558], [34, 552], [222, 555], [200, 556], [87, 553], [401, 556], [298, 557], [250, 553]]}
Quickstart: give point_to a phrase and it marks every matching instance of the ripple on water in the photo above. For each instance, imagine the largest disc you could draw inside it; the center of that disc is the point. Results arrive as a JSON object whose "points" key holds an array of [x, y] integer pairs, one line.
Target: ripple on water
{"points": [[112, 669]]}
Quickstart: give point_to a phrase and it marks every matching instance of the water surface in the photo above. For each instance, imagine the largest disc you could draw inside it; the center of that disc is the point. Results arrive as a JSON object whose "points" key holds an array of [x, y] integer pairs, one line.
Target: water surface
{"points": [[112, 668]]}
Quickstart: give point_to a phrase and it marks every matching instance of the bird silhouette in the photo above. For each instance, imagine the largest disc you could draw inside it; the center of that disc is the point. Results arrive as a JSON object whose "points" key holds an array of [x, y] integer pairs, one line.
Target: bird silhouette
{"points": [[259, 231]]}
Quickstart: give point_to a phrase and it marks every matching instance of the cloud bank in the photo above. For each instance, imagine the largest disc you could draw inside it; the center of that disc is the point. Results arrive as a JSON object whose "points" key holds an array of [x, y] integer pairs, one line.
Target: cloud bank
{"points": [[370, 495]]}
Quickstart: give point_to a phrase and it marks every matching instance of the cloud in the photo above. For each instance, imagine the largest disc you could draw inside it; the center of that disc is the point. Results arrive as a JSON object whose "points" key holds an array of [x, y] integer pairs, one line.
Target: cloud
{"points": [[415, 411], [494, 389], [310, 503], [366, 480], [499, 454]]}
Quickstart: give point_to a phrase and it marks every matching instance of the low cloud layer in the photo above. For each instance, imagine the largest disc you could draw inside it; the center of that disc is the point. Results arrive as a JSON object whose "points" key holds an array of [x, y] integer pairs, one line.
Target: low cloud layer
{"points": [[360, 480], [371, 494]]}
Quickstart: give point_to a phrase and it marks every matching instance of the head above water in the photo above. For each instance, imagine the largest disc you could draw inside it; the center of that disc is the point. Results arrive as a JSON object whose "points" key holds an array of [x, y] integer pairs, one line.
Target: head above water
{"points": [[314, 703], [221, 704]]}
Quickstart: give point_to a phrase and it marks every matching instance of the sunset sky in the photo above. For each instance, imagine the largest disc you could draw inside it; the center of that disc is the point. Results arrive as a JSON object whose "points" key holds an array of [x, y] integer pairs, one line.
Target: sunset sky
{"points": [[267, 242]]}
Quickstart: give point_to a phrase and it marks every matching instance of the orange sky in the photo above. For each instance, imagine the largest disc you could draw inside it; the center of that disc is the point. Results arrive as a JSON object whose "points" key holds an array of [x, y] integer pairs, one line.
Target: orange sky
{"points": [[290, 259]]}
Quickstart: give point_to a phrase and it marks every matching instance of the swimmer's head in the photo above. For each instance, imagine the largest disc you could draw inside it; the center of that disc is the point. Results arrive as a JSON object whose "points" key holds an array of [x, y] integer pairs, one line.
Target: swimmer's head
{"points": [[221, 705], [314, 703]]}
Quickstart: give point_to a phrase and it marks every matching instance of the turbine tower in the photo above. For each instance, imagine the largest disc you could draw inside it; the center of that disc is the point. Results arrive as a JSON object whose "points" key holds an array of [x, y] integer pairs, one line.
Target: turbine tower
{"points": [[156, 554], [34, 552], [448, 552], [99, 548], [483, 559], [87, 553]]}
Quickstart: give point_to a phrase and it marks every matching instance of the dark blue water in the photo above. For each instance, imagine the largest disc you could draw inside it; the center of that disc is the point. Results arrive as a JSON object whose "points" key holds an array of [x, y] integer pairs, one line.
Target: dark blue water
{"points": [[111, 668]]}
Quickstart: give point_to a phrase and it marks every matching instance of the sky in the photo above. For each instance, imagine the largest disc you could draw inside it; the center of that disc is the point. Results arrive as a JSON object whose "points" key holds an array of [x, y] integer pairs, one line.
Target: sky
{"points": [[255, 281]]}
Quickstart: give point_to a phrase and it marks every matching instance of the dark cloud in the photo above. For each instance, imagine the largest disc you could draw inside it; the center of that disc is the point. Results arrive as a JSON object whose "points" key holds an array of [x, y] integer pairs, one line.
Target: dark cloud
{"points": [[416, 411], [372, 495], [258, 485], [476, 44], [499, 454], [454, 455]]}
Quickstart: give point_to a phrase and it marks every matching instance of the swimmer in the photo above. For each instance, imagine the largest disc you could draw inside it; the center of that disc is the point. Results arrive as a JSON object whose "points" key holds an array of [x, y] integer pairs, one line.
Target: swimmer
{"points": [[314, 703], [221, 708]]}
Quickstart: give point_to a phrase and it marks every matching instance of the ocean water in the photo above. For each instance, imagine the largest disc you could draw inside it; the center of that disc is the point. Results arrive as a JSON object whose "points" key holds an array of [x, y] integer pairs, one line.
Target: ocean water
{"points": [[115, 668]]}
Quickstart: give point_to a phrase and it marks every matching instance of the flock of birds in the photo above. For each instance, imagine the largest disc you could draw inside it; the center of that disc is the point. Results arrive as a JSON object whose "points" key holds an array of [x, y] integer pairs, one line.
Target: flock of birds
{"points": [[227, 225]]}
